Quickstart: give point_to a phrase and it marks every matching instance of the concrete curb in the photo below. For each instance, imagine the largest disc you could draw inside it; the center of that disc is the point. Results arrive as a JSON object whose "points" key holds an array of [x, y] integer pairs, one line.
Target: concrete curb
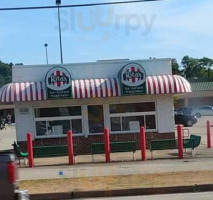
{"points": [[123, 192]]}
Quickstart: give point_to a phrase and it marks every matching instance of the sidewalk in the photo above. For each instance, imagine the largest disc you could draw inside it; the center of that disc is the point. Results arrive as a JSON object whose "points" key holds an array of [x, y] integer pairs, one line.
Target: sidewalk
{"points": [[164, 161]]}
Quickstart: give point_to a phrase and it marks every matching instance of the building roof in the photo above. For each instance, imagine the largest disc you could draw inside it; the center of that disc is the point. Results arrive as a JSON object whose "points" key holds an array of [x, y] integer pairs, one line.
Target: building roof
{"points": [[204, 84]]}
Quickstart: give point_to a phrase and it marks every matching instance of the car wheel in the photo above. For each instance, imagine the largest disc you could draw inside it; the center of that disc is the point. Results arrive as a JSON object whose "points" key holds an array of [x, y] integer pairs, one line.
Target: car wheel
{"points": [[198, 115], [189, 123]]}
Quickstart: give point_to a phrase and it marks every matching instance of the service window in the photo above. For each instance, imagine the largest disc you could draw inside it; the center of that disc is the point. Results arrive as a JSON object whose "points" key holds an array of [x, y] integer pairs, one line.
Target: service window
{"points": [[57, 121], [129, 117]]}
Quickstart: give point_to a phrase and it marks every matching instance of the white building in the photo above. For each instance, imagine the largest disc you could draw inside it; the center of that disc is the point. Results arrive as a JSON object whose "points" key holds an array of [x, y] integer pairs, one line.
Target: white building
{"points": [[86, 97]]}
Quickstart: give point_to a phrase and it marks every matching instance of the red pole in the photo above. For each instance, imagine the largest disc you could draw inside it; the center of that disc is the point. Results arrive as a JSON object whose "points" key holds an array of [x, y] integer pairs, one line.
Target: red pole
{"points": [[70, 148], [180, 141], [30, 149], [143, 143], [208, 134], [107, 144]]}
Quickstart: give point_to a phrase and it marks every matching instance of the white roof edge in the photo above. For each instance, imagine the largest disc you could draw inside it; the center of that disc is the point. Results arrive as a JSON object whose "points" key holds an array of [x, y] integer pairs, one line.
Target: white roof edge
{"points": [[94, 63]]}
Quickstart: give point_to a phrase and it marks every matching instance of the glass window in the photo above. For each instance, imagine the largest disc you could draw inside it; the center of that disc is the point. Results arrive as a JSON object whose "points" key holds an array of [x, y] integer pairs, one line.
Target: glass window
{"points": [[58, 112], [96, 119], [129, 117], [77, 126], [132, 107], [115, 123], [132, 123], [150, 122]]}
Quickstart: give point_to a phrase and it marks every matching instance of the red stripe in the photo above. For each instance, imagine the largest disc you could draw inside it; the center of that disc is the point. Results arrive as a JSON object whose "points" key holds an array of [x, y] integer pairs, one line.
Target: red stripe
{"points": [[42, 91], [10, 96], [25, 89], [5, 96], [182, 83], [116, 86], [36, 91], [31, 92], [111, 87], [96, 89], [75, 89], [85, 89], [154, 85], [101, 89], [58, 82], [106, 89], [159, 85], [132, 70], [170, 86], [179, 84], [90, 88], [80, 89], [2, 94], [20, 92], [149, 85], [164, 85], [175, 86], [14, 92]]}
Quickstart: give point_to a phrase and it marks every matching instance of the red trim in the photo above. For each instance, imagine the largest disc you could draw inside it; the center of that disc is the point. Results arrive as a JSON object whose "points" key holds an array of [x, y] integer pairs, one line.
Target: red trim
{"points": [[164, 85], [159, 85], [31, 92], [36, 90], [75, 89], [20, 92], [96, 89], [154, 85], [80, 89], [170, 86], [106, 89], [25, 89], [85, 89], [10, 95], [149, 85], [90, 89], [111, 87], [101, 89], [116, 87], [14, 92]]}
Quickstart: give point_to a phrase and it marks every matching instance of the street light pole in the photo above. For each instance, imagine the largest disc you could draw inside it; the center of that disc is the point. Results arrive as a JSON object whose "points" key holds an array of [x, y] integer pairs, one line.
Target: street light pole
{"points": [[58, 3], [46, 45]]}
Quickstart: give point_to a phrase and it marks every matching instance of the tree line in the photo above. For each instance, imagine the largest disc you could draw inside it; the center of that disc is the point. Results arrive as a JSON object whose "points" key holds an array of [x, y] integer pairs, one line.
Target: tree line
{"points": [[193, 67]]}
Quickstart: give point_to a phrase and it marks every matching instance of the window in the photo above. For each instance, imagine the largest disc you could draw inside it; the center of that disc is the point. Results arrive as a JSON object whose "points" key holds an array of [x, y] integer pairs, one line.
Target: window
{"points": [[96, 119], [52, 122], [129, 117]]}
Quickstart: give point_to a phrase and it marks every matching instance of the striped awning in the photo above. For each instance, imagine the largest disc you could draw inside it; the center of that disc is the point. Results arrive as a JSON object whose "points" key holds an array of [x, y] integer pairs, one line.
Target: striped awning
{"points": [[92, 88]]}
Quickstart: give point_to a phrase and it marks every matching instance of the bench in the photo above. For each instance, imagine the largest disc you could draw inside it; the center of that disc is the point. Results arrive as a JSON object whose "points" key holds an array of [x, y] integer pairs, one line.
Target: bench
{"points": [[190, 143], [50, 151], [115, 147], [20, 155]]}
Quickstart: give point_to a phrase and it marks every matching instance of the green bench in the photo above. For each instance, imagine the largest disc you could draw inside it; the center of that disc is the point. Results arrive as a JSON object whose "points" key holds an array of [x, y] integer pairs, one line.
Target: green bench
{"points": [[115, 147], [189, 143], [20, 155], [50, 151]]}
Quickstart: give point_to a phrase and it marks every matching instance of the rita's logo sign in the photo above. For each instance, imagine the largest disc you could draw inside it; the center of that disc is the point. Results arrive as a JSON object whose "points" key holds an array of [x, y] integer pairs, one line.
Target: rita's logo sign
{"points": [[58, 83], [132, 79], [58, 78]]}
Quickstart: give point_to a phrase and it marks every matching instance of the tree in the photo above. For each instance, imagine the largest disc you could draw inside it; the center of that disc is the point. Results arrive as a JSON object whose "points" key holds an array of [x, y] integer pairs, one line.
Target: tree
{"points": [[175, 67], [5, 73]]}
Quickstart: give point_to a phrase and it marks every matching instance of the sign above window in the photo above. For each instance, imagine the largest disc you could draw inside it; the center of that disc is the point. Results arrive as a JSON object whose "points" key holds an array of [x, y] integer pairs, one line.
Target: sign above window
{"points": [[132, 79], [58, 82]]}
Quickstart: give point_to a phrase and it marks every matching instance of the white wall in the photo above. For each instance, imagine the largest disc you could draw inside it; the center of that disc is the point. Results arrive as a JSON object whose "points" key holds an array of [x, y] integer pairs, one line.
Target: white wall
{"points": [[24, 123], [90, 70], [164, 106], [165, 113]]}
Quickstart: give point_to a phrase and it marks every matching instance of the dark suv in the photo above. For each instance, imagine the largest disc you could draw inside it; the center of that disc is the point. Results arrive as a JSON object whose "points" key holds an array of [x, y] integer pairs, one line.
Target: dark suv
{"points": [[8, 177]]}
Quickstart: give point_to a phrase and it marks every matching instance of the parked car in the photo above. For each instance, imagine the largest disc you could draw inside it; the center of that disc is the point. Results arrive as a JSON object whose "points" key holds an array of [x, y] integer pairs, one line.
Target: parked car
{"points": [[186, 110], [203, 111], [8, 177], [186, 120]]}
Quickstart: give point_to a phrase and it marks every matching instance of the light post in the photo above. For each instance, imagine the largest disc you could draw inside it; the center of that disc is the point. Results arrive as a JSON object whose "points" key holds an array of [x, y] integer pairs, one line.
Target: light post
{"points": [[58, 3], [46, 45]]}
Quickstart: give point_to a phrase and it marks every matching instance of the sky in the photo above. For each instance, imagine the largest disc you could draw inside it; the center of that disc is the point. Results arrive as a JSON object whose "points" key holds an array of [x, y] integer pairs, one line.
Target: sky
{"points": [[160, 29]]}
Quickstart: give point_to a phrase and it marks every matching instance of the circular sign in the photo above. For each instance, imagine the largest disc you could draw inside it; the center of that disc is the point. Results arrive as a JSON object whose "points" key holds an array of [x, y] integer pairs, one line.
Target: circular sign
{"points": [[58, 78], [133, 75]]}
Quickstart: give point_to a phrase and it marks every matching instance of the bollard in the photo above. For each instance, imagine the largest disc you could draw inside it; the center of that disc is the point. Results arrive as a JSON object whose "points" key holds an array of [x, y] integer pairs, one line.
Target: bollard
{"points": [[107, 144], [70, 148], [143, 143], [208, 128], [30, 149], [180, 141]]}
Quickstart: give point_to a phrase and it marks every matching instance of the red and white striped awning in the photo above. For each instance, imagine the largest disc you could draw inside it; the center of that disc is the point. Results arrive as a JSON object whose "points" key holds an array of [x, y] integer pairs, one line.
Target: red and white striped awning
{"points": [[93, 88]]}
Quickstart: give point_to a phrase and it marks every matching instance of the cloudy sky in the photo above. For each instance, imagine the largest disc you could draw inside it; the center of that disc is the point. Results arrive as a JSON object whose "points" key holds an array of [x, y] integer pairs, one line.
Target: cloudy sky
{"points": [[163, 29]]}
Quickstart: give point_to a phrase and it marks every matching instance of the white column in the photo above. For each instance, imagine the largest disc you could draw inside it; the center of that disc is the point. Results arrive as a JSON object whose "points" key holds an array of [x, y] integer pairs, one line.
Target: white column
{"points": [[106, 116], [85, 120]]}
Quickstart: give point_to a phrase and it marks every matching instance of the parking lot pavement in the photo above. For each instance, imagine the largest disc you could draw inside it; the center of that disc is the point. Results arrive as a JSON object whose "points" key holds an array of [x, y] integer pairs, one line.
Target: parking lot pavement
{"points": [[7, 137]]}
